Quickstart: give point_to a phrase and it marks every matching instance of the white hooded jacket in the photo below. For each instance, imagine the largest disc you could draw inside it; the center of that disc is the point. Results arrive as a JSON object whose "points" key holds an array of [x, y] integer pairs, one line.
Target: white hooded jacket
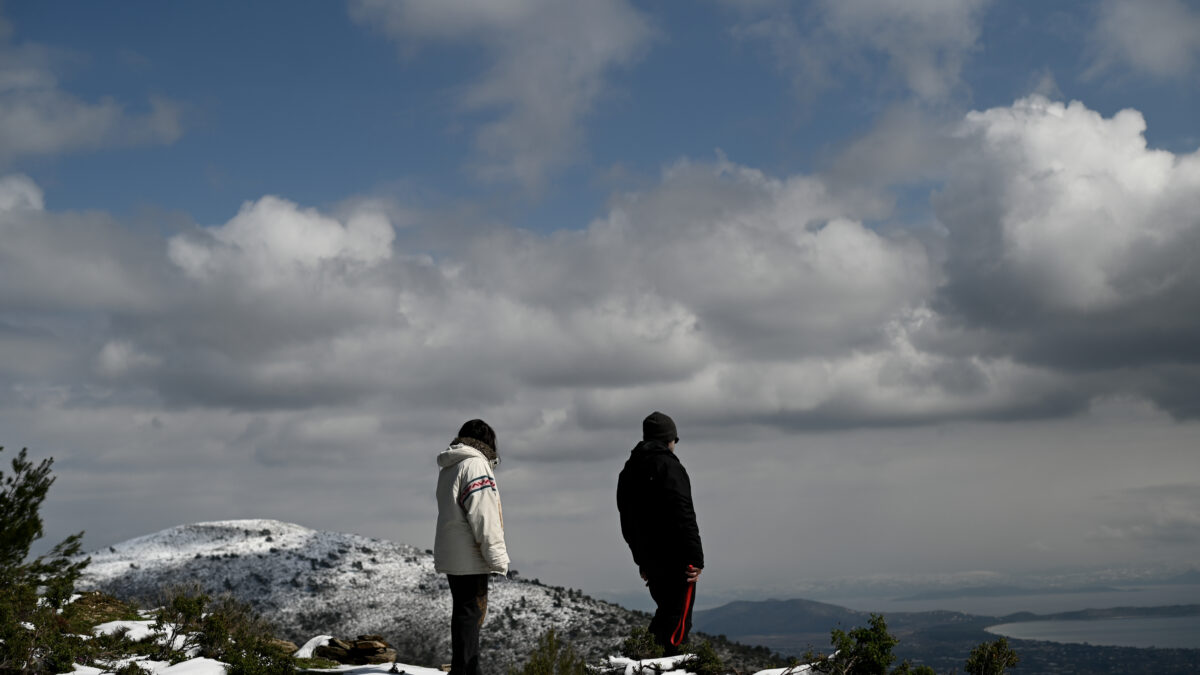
{"points": [[470, 527]]}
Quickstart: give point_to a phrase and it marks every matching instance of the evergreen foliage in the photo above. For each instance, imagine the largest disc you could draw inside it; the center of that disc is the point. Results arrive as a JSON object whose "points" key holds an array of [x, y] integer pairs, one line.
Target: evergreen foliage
{"points": [[868, 651], [864, 651], [33, 638], [991, 658], [552, 656], [705, 659], [222, 629], [641, 645]]}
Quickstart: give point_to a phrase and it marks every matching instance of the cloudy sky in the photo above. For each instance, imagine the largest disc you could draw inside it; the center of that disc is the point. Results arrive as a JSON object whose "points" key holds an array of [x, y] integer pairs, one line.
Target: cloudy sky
{"points": [[918, 281]]}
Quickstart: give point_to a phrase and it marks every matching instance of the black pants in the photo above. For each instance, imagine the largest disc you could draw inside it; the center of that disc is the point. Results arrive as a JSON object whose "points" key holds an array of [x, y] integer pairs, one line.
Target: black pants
{"points": [[673, 621], [469, 608]]}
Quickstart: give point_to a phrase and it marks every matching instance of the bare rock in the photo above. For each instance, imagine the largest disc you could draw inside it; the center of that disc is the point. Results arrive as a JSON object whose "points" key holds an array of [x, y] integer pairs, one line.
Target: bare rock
{"points": [[332, 653], [386, 656], [367, 649], [285, 647]]}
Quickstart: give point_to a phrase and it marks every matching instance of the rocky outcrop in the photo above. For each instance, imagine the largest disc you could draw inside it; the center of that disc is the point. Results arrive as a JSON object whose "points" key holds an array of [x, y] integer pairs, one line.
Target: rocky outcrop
{"points": [[366, 649], [285, 647]]}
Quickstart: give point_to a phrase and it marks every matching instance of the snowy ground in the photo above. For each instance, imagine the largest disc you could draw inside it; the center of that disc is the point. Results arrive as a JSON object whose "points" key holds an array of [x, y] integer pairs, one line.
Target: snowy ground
{"points": [[308, 582], [285, 571], [667, 666], [615, 665]]}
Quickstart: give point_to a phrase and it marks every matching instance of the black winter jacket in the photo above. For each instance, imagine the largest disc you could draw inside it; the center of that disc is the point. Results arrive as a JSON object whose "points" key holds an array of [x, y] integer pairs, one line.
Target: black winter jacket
{"points": [[654, 497]]}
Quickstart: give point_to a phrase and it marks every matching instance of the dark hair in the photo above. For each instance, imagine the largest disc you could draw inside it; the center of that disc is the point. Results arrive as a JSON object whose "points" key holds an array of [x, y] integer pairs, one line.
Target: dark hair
{"points": [[480, 431]]}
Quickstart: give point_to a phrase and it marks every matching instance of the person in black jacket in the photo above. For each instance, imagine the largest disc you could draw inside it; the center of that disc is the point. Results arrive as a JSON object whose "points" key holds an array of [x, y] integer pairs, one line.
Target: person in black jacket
{"points": [[654, 498]]}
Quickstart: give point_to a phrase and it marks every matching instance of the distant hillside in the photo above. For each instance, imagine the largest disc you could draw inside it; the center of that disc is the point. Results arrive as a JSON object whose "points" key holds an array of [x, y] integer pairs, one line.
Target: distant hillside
{"points": [[309, 582], [793, 626], [1002, 592], [777, 616], [1189, 577], [943, 639]]}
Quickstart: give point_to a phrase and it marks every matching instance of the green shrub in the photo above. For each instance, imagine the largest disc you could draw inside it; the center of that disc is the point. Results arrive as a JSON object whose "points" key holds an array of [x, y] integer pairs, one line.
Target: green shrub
{"points": [[315, 662], [705, 659], [178, 619], [230, 623], [254, 659], [223, 629], [862, 651], [641, 645], [94, 607], [551, 656], [991, 658]]}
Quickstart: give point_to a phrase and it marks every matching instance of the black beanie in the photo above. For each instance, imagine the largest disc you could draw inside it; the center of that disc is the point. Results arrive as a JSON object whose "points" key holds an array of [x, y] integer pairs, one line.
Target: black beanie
{"points": [[480, 431], [659, 427]]}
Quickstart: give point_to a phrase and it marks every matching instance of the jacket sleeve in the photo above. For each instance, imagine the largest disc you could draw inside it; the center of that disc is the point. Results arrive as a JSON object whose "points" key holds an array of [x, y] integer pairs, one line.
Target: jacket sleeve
{"points": [[678, 494], [480, 500], [626, 508]]}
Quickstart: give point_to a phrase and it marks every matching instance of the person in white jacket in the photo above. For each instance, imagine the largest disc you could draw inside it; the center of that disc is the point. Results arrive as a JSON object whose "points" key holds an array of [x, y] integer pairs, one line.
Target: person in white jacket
{"points": [[469, 544]]}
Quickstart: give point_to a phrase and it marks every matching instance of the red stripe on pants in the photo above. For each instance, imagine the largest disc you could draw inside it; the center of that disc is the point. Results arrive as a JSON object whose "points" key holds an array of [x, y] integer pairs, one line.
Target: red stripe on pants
{"points": [[677, 636]]}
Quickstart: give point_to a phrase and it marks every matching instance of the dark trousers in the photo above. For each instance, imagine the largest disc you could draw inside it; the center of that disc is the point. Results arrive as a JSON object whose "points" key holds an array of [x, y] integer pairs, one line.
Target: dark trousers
{"points": [[469, 608], [673, 621]]}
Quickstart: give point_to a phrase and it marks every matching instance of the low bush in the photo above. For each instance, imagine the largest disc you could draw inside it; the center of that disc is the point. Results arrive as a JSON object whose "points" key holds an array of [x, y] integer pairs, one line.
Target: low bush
{"points": [[552, 656], [641, 645], [705, 659], [991, 658]]}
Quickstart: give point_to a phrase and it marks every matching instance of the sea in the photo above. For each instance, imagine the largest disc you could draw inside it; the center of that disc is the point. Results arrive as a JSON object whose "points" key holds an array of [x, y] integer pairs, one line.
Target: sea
{"points": [[1173, 632], [1182, 632]]}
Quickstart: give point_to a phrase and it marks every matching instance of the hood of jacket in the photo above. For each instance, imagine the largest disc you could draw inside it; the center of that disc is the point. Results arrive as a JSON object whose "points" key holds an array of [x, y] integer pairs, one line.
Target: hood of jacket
{"points": [[457, 453]]}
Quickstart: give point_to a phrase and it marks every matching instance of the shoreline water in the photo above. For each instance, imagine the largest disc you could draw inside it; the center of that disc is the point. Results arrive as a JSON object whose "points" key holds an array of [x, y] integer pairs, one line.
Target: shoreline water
{"points": [[1143, 632], [1034, 602]]}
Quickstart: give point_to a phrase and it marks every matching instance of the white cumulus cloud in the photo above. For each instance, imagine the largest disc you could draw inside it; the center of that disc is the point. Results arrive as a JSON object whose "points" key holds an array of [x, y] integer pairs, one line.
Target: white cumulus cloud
{"points": [[1078, 213]]}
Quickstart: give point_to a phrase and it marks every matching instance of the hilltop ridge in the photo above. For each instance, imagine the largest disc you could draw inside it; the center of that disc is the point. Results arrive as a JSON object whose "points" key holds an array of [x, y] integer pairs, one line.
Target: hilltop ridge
{"points": [[310, 582]]}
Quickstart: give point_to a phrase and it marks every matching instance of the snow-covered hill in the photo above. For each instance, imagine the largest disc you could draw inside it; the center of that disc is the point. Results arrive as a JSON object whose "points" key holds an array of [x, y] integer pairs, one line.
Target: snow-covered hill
{"points": [[310, 582]]}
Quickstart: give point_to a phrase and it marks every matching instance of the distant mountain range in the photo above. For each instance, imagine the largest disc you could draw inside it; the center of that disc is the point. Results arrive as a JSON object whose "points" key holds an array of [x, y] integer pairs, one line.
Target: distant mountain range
{"points": [[973, 584], [943, 639], [1001, 592]]}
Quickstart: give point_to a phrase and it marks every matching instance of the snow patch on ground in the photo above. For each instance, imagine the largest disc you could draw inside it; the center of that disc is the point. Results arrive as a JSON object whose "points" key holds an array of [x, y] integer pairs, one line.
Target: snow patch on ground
{"points": [[194, 667], [137, 630], [306, 652], [665, 665]]}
